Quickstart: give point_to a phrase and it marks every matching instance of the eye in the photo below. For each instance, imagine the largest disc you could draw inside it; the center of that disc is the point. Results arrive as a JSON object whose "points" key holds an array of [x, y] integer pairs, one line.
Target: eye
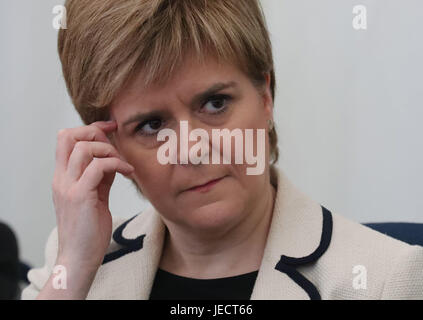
{"points": [[216, 104], [149, 127]]}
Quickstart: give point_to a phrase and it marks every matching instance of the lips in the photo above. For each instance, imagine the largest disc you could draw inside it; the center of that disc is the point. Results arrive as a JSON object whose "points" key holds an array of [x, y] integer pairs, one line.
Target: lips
{"points": [[206, 186]]}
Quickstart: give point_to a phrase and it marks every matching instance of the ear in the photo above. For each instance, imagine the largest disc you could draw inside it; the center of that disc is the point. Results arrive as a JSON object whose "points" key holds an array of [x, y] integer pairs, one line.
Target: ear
{"points": [[267, 96]]}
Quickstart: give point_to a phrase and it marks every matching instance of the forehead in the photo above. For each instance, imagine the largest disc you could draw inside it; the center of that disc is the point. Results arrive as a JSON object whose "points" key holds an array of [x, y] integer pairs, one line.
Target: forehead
{"points": [[189, 78]]}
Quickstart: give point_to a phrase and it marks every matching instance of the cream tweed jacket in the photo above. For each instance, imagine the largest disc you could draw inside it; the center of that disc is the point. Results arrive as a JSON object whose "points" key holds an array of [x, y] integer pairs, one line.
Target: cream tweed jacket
{"points": [[310, 253]]}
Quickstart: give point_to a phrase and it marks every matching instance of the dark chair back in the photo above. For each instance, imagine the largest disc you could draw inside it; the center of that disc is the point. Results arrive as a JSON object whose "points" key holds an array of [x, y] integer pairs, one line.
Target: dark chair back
{"points": [[411, 233]]}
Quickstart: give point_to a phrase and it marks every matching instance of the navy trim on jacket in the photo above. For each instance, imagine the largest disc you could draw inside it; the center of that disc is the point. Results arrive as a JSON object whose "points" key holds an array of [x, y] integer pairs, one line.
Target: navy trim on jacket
{"points": [[287, 264], [129, 245]]}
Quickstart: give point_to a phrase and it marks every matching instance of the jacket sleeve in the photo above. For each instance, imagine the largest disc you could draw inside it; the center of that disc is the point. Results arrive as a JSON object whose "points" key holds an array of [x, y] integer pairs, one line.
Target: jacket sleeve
{"points": [[38, 276], [406, 278]]}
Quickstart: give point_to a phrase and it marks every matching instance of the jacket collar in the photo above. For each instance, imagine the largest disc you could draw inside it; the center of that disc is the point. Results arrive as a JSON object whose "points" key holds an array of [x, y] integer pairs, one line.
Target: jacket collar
{"points": [[300, 232], [299, 235]]}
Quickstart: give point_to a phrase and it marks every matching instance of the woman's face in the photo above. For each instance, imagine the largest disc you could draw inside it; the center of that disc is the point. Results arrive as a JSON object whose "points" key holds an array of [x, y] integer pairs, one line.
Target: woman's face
{"points": [[239, 105]]}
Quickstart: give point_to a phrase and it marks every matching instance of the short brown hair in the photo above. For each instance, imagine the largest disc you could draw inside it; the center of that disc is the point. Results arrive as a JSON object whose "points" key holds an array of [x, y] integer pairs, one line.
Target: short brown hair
{"points": [[107, 42]]}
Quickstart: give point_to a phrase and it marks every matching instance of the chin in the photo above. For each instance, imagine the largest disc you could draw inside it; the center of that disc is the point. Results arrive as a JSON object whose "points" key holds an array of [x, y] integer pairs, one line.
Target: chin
{"points": [[217, 215]]}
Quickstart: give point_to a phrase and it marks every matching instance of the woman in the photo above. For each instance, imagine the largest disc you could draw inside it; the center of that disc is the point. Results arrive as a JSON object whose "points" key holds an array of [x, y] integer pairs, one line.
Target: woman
{"points": [[212, 231]]}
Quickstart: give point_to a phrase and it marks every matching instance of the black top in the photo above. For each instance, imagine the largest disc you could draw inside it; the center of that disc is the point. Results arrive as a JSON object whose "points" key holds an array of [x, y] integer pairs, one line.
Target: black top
{"points": [[169, 286]]}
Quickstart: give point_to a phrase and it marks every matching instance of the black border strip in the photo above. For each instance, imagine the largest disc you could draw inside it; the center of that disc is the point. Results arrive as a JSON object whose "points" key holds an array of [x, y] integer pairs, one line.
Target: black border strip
{"points": [[130, 245], [287, 264]]}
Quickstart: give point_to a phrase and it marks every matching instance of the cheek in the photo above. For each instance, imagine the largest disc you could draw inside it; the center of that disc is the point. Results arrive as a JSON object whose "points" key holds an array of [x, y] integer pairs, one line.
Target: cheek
{"points": [[249, 114], [150, 175], [138, 156], [245, 181], [153, 179], [252, 149], [149, 169]]}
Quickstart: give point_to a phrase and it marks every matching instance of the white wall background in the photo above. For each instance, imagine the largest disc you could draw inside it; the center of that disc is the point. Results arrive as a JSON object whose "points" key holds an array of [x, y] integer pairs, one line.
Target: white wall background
{"points": [[348, 111]]}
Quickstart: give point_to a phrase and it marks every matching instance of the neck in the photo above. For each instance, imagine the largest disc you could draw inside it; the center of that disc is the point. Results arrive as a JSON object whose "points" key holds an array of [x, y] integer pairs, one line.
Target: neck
{"points": [[220, 256]]}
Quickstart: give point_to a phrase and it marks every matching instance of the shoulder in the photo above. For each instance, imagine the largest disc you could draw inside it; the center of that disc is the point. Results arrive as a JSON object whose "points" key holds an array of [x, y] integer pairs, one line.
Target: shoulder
{"points": [[363, 263]]}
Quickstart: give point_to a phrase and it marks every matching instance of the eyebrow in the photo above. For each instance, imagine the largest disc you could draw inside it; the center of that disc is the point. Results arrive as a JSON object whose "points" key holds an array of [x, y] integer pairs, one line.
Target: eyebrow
{"points": [[140, 117]]}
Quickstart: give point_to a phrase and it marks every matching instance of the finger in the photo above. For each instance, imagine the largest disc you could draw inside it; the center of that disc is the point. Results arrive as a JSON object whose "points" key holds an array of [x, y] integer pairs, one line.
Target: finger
{"points": [[83, 153], [66, 139], [94, 173]]}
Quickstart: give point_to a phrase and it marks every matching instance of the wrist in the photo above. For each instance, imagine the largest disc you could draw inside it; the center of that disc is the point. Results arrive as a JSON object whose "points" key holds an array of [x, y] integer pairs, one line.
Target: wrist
{"points": [[72, 278], [76, 266]]}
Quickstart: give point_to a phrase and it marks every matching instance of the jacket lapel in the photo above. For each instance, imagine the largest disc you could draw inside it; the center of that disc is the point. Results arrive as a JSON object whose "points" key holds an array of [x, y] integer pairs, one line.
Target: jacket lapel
{"points": [[299, 234], [128, 270]]}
